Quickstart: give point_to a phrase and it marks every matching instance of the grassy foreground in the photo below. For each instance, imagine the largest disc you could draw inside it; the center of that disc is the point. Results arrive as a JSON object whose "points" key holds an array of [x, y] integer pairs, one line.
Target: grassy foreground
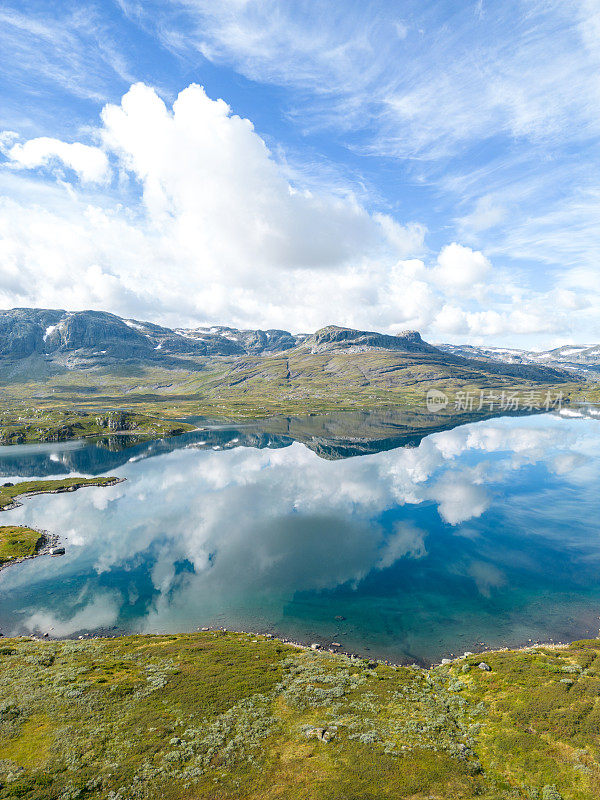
{"points": [[17, 541], [10, 492], [230, 716]]}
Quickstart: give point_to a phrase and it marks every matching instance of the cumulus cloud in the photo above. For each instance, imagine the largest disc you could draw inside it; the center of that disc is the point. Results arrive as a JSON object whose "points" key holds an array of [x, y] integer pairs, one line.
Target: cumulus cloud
{"points": [[208, 170], [204, 225], [90, 163], [453, 319], [459, 267], [219, 233]]}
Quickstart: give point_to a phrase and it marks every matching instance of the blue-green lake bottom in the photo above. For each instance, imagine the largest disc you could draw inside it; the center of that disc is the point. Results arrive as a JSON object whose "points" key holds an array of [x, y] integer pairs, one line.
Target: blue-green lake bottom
{"points": [[484, 535]]}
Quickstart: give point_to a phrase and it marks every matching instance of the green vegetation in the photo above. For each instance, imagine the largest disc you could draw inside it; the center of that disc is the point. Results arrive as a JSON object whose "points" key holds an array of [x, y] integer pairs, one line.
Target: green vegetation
{"points": [[230, 716], [9, 492], [20, 425], [147, 401], [18, 542]]}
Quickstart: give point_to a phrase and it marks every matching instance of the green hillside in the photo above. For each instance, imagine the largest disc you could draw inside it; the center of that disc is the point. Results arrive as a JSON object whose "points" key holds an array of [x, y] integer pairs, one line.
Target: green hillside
{"points": [[79, 402], [230, 716]]}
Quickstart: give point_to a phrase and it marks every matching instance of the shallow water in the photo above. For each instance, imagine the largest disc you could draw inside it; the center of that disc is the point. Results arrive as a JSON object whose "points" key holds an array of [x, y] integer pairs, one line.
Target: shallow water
{"points": [[486, 534]]}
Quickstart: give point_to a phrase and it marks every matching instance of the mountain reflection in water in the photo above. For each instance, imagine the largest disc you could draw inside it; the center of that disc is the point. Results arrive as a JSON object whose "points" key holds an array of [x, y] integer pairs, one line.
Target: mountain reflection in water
{"points": [[487, 532], [331, 436]]}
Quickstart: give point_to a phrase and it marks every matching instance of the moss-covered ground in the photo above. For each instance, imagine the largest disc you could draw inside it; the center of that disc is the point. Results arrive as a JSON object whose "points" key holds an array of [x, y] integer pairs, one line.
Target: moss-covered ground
{"points": [[9, 492], [19, 425], [144, 416], [79, 402], [17, 541], [230, 716]]}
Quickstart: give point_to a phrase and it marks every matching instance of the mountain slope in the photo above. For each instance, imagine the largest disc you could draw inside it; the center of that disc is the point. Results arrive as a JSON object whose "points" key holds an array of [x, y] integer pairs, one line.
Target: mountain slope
{"points": [[581, 360], [92, 361], [97, 338]]}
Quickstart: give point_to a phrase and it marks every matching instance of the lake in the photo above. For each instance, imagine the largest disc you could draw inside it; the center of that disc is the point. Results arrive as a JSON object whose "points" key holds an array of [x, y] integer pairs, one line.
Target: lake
{"points": [[400, 546]]}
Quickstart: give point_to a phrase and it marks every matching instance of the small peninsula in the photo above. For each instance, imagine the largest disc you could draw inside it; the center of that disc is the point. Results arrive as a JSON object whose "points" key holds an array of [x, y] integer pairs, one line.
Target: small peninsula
{"points": [[18, 542], [10, 491]]}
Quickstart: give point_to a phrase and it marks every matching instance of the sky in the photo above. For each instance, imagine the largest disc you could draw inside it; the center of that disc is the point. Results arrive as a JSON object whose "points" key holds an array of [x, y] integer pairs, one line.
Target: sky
{"points": [[378, 164]]}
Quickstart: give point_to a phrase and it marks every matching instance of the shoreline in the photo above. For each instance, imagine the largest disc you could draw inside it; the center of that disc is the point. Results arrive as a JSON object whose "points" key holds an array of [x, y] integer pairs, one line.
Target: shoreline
{"points": [[61, 490], [47, 542], [102, 634]]}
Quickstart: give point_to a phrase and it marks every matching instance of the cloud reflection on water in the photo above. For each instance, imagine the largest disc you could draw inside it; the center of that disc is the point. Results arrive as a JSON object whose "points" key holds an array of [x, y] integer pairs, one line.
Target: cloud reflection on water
{"points": [[216, 530]]}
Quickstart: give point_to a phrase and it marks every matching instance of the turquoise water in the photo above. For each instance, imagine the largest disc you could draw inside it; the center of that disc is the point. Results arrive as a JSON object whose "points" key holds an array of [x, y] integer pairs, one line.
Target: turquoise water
{"points": [[484, 535]]}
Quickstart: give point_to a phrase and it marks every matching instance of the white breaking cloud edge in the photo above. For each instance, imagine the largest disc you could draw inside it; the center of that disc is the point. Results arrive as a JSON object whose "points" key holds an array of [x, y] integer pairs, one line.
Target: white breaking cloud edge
{"points": [[90, 163], [220, 235], [418, 86]]}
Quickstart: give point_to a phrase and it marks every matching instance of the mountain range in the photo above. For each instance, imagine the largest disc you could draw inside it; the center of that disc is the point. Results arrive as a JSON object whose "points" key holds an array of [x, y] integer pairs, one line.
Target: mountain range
{"points": [[88, 335], [583, 360], [89, 339]]}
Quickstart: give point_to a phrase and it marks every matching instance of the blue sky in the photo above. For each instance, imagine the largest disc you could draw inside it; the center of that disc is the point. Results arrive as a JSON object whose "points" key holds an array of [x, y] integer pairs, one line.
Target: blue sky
{"points": [[431, 165]]}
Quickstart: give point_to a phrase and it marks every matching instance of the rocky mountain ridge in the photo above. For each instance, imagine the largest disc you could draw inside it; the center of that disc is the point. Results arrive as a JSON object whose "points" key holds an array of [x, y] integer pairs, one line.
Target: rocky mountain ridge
{"points": [[58, 339], [25, 332], [584, 360]]}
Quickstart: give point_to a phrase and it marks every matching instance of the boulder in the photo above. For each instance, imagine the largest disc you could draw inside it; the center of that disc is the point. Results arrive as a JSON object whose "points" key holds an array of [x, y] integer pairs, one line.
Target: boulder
{"points": [[325, 734]]}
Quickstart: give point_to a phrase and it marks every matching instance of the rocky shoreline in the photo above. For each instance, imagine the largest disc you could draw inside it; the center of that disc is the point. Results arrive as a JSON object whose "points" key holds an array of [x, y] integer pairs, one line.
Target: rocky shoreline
{"points": [[61, 490], [47, 543], [334, 649]]}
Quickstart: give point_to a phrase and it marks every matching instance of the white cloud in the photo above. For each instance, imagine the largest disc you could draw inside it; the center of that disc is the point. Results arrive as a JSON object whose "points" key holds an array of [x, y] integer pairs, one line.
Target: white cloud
{"points": [[212, 230], [90, 163], [493, 324], [459, 267], [486, 214], [206, 168], [406, 239], [219, 234]]}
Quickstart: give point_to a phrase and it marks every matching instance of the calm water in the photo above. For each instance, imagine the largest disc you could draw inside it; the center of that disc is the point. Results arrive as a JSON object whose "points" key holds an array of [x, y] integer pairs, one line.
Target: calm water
{"points": [[486, 533]]}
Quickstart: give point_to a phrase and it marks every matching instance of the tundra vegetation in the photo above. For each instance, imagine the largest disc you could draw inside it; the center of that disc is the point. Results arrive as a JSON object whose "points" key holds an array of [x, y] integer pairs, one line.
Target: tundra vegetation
{"points": [[149, 410], [18, 541], [228, 716], [22, 425], [9, 492], [65, 373]]}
